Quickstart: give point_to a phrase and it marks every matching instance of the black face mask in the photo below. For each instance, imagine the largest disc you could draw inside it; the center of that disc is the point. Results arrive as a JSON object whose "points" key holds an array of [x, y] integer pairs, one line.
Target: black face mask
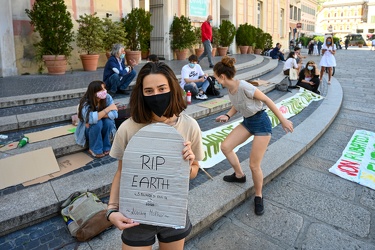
{"points": [[158, 103]]}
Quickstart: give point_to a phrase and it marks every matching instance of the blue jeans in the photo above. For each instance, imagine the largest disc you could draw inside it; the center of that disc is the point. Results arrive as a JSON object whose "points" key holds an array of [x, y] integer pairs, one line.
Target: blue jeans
{"points": [[99, 136], [114, 82], [279, 56], [194, 87], [207, 52]]}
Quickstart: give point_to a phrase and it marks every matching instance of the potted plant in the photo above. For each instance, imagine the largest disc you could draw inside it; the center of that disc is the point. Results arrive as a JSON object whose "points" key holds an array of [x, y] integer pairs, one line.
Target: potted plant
{"points": [[267, 41], [198, 41], [52, 20], [138, 29], [114, 33], [89, 38], [259, 41], [243, 37], [360, 43], [227, 31], [183, 36], [215, 40]]}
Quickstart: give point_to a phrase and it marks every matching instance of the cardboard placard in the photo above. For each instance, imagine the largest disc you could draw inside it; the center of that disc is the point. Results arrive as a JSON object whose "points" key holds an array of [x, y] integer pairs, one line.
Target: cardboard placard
{"points": [[213, 103], [154, 182], [259, 82], [67, 164], [50, 133], [24, 167], [9, 146]]}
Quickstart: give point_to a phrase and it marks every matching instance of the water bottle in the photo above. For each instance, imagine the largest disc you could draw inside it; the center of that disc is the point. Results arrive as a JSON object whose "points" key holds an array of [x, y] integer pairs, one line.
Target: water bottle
{"points": [[188, 97], [23, 142]]}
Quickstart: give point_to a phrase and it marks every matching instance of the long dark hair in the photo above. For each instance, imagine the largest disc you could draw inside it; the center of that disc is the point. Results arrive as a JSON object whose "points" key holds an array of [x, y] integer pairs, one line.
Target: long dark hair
{"points": [[309, 72], [291, 55], [139, 111], [89, 99]]}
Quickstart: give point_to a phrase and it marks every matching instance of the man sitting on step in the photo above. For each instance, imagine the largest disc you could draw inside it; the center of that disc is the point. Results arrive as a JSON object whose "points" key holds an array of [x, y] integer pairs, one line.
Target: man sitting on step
{"points": [[117, 76]]}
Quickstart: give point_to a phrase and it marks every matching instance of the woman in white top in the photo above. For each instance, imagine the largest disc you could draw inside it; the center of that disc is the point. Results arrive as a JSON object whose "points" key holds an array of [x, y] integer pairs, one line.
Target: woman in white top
{"points": [[249, 101], [291, 62], [315, 50], [328, 59]]}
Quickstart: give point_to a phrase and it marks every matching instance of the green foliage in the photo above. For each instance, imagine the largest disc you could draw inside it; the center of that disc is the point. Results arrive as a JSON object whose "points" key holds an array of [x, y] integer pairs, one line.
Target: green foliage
{"points": [[259, 38], [305, 40], [244, 35], [53, 22], [90, 34], [215, 37], [114, 33], [182, 32], [227, 31], [138, 28], [268, 43], [198, 36]]}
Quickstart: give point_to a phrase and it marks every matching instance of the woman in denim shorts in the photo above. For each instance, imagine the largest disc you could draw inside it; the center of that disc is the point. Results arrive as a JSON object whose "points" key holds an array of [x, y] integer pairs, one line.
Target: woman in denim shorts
{"points": [[249, 101], [156, 97]]}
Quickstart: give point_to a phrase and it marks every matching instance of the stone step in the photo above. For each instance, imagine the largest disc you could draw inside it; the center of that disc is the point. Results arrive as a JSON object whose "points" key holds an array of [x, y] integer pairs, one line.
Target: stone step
{"points": [[23, 121], [39, 202], [13, 101]]}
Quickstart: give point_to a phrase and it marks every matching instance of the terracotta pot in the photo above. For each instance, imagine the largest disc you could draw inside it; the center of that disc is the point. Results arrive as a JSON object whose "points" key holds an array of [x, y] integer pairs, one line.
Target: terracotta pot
{"points": [[222, 51], [133, 55], [145, 54], [89, 62], [250, 50], [360, 45], [56, 65], [244, 49], [181, 54], [258, 51], [199, 52], [213, 51]]}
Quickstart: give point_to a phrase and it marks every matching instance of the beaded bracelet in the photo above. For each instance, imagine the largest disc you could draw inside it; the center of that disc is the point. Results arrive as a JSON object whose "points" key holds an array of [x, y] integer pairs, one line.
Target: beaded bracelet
{"points": [[109, 212]]}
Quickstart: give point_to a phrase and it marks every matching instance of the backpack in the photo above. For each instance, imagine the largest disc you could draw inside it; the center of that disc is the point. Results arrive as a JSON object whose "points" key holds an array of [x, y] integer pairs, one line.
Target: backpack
{"points": [[84, 213], [282, 86], [211, 90]]}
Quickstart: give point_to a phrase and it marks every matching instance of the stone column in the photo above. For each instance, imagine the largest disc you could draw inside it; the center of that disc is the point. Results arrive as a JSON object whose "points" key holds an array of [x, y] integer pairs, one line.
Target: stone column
{"points": [[7, 51]]}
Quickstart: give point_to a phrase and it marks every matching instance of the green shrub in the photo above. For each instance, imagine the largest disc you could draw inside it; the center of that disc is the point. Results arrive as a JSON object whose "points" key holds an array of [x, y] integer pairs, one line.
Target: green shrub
{"points": [[90, 34], [227, 31], [182, 32]]}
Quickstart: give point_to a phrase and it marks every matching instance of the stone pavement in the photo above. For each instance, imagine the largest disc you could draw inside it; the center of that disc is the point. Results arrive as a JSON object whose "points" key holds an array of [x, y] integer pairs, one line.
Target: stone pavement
{"points": [[306, 207]]}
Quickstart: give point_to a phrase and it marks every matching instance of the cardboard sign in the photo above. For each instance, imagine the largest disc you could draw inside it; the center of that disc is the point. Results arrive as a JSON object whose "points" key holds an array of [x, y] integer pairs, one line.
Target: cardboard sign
{"points": [[154, 182], [50, 133], [27, 166]]}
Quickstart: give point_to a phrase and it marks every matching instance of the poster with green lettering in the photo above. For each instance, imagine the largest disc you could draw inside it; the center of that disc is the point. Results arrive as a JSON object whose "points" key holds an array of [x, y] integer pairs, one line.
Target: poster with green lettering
{"points": [[198, 8], [154, 182]]}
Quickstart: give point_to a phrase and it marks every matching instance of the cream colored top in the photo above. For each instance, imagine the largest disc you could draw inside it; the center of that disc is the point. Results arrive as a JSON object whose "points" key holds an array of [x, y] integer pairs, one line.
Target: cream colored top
{"points": [[185, 125]]}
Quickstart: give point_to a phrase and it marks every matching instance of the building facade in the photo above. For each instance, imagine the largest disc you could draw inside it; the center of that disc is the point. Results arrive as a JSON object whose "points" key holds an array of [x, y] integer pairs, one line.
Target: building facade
{"points": [[343, 17], [17, 53]]}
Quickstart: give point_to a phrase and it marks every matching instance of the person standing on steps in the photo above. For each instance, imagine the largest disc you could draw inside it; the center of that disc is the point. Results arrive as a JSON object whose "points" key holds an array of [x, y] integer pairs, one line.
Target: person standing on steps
{"points": [[249, 101], [206, 31]]}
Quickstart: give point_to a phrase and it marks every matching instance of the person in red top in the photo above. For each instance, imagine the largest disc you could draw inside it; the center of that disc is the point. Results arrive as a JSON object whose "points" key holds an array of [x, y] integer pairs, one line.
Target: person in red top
{"points": [[206, 30]]}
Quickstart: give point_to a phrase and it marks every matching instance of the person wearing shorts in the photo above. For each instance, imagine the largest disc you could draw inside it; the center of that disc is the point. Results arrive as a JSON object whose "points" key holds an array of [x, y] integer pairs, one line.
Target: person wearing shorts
{"points": [[249, 101], [156, 97]]}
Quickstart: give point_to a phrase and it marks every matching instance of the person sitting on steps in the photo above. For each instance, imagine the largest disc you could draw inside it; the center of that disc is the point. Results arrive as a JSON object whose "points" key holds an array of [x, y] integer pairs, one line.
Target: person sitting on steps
{"points": [[276, 53], [117, 76], [194, 79]]}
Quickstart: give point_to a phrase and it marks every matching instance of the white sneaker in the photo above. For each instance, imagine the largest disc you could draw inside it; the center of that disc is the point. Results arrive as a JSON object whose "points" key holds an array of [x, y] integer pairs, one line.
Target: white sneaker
{"points": [[201, 97]]}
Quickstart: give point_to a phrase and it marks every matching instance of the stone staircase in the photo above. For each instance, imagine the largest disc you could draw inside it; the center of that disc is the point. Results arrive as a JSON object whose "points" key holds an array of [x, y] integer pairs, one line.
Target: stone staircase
{"points": [[22, 207]]}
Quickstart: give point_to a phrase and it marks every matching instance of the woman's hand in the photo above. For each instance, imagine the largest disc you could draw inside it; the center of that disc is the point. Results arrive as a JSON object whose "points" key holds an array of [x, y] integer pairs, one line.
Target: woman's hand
{"points": [[287, 125], [222, 118], [187, 153], [120, 221]]}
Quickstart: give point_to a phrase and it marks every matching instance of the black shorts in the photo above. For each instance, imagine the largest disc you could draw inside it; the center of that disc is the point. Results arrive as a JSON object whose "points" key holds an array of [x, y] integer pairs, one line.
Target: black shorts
{"points": [[144, 235]]}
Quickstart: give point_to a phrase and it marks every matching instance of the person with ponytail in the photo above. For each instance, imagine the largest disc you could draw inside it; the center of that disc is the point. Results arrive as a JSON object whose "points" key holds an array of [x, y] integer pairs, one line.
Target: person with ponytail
{"points": [[96, 114], [249, 101]]}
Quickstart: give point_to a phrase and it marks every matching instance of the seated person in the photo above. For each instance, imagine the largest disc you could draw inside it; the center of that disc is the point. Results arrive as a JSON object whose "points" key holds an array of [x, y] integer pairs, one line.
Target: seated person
{"points": [[276, 53], [117, 76], [309, 77], [299, 58], [96, 114], [194, 79], [153, 58], [290, 63]]}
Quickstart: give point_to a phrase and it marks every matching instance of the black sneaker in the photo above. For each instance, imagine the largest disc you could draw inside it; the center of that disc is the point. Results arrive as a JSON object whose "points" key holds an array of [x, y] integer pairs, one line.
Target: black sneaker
{"points": [[258, 205], [211, 66], [233, 178]]}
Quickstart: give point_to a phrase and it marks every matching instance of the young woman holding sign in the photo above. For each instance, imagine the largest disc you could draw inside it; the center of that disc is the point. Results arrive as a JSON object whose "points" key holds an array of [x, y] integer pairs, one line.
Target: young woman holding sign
{"points": [[156, 97], [249, 101]]}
